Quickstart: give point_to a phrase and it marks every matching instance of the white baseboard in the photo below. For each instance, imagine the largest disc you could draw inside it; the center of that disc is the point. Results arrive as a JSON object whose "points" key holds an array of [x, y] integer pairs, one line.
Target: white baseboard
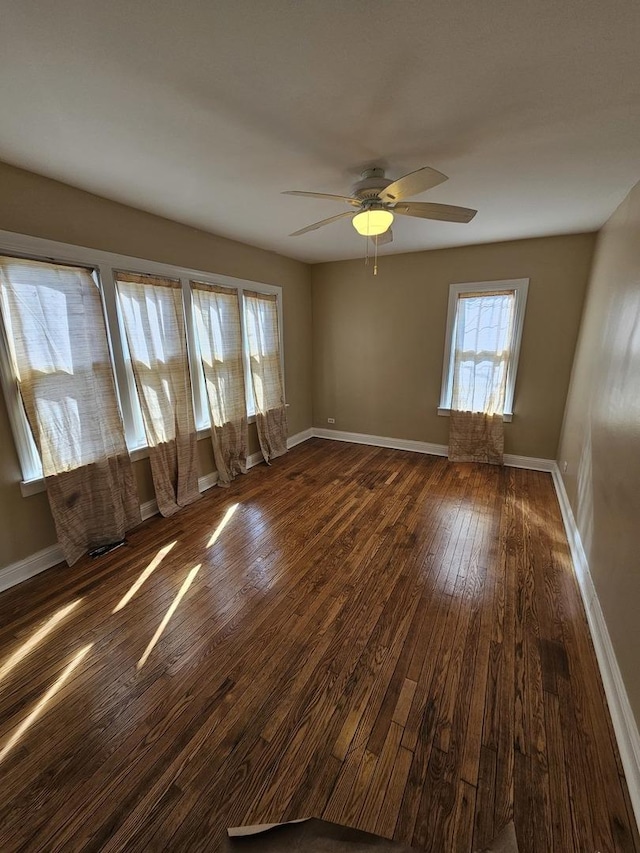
{"points": [[382, 441], [208, 481], [21, 570], [148, 509], [254, 459], [299, 437], [511, 461], [532, 463], [624, 723]]}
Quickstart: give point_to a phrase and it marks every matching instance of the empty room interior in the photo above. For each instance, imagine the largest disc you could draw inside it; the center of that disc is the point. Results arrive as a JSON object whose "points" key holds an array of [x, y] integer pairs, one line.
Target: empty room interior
{"points": [[320, 426]]}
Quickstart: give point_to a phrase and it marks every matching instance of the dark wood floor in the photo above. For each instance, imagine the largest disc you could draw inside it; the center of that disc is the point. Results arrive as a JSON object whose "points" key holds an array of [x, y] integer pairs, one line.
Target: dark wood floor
{"points": [[380, 638]]}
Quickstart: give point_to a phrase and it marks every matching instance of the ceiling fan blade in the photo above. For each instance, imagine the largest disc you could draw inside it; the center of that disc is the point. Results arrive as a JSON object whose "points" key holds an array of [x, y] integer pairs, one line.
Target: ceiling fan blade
{"points": [[430, 210], [321, 223], [353, 201], [387, 237], [412, 184]]}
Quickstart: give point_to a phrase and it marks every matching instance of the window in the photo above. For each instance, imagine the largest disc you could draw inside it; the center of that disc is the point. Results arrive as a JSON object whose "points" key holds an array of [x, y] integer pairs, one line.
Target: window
{"points": [[102, 274], [219, 335], [58, 352], [153, 318], [262, 351], [484, 329]]}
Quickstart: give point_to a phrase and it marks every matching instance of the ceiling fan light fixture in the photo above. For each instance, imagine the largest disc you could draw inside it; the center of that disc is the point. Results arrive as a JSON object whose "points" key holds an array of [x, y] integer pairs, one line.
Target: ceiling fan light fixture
{"points": [[370, 223]]}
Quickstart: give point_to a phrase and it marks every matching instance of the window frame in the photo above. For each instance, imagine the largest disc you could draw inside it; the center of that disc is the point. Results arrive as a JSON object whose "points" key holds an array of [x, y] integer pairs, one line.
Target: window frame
{"points": [[106, 265], [520, 286]]}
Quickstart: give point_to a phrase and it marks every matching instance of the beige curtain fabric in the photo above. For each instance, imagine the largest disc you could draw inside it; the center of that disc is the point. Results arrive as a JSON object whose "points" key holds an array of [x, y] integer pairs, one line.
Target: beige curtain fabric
{"points": [[480, 358], [263, 336], [153, 319], [219, 333], [476, 437], [58, 344]]}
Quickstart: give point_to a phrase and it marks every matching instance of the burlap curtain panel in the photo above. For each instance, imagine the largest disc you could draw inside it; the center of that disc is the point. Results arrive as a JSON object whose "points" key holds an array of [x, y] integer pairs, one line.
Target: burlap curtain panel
{"points": [[153, 319], [57, 340], [482, 337], [219, 333], [263, 337]]}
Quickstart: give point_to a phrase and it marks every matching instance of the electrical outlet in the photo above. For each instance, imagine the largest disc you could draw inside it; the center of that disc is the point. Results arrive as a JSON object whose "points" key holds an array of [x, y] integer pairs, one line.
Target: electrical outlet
{"points": [[565, 465], [331, 420]]}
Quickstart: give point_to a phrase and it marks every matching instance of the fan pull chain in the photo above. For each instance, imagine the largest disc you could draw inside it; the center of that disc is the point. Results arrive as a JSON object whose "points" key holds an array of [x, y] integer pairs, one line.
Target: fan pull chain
{"points": [[366, 252], [375, 262]]}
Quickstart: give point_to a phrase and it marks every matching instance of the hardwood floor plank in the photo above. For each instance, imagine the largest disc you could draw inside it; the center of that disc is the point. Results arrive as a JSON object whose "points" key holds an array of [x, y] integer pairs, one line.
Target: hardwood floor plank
{"points": [[388, 815], [484, 827], [381, 638], [470, 764], [436, 813], [403, 705], [463, 819], [559, 786], [352, 785], [508, 705], [376, 795]]}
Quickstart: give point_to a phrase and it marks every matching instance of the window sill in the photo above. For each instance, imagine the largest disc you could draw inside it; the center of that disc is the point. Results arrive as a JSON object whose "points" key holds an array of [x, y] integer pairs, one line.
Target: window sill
{"points": [[444, 413], [32, 487]]}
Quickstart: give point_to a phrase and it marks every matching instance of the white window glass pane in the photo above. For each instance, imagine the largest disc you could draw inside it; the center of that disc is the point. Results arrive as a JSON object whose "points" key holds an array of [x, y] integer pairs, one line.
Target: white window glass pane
{"points": [[482, 341]]}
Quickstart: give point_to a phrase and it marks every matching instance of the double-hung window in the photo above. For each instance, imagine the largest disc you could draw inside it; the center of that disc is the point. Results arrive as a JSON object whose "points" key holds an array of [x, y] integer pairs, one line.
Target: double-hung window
{"points": [[482, 345], [57, 351], [153, 318], [218, 330], [262, 350]]}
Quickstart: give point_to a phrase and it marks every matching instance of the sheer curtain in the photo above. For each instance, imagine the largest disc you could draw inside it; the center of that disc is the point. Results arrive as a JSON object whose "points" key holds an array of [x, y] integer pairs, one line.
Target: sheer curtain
{"points": [[481, 351], [263, 336], [57, 341], [153, 320], [217, 320]]}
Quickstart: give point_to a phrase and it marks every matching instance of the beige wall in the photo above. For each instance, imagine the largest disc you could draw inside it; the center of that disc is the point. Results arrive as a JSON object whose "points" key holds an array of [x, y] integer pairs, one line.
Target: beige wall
{"points": [[601, 435], [31, 204], [379, 341]]}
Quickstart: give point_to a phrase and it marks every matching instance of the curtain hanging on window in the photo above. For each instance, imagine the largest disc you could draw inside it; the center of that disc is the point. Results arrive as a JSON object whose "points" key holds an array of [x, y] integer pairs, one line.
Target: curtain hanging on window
{"points": [[263, 336], [57, 340], [219, 334], [153, 319], [481, 351]]}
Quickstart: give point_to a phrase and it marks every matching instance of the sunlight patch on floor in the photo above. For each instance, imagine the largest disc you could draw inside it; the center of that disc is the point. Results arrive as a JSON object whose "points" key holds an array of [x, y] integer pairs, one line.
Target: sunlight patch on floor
{"points": [[42, 703], [153, 565], [174, 604], [222, 525], [36, 638]]}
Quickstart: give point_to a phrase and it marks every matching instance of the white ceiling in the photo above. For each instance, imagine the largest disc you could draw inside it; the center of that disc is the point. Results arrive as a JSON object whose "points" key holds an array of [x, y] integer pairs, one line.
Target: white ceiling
{"points": [[205, 111]]}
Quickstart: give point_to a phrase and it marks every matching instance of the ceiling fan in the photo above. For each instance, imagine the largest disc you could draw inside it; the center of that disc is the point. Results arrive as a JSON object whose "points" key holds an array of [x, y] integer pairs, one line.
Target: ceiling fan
{"points": [[378, 199]]}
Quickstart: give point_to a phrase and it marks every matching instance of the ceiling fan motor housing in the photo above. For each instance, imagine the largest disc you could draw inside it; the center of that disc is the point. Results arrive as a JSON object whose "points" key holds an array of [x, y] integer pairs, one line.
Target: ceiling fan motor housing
{"points": [[373, 180]]}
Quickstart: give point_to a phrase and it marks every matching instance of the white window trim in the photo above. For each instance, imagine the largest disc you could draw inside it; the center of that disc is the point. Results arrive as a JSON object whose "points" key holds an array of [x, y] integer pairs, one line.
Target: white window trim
{"points": [[106, 264], [521, 288], [246, 360]]}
